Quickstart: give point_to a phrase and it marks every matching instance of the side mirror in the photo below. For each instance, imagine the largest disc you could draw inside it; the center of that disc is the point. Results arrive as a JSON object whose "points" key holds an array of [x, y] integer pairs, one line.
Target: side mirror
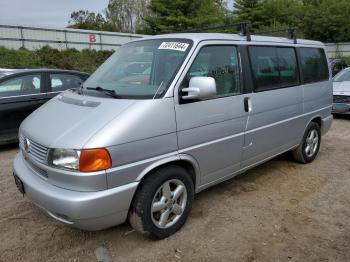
{"points": [[200, 88]]}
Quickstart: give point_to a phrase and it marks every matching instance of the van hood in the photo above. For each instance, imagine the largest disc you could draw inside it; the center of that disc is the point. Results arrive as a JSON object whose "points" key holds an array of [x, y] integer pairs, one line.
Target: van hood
{"points": [[69, 120], [341, 88]]}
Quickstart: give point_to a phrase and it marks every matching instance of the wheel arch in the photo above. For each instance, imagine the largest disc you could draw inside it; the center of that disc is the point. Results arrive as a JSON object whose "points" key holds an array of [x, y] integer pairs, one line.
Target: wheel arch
{"points": [[314, 118], [317, 120], [183, 160]]}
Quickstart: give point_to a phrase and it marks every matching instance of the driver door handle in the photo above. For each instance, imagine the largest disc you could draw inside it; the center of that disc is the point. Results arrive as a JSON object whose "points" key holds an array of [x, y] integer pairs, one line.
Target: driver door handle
{"points": [[247, 104]]}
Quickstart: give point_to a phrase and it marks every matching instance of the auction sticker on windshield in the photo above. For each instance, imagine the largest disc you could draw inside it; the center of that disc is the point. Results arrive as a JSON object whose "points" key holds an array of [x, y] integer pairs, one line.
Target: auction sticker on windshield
{"points": [[178, 46]]}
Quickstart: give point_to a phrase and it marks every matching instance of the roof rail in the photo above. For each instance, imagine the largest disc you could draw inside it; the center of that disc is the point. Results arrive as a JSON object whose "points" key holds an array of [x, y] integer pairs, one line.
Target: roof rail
{"points": [[244, 30], [292, 34], [291, 31]]}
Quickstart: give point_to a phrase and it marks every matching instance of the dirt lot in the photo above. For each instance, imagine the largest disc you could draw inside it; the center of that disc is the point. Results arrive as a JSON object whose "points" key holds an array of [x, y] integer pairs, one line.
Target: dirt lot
{"points": [[280, 211]]}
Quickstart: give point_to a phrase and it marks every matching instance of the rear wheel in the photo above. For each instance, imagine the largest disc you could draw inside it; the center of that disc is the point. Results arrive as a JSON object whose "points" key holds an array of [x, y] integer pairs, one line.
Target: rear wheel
{"points": [[307, 151], [162, 203]]}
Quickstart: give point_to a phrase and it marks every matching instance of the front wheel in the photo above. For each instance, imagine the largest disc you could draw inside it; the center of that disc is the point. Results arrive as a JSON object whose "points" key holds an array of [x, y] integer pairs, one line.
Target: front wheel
{"points": [[162, 203], [307, 151]]}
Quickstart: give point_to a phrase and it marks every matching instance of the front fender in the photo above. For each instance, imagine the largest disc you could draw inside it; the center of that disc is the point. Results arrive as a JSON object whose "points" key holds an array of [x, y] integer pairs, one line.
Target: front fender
{"points": [[168, 160]]}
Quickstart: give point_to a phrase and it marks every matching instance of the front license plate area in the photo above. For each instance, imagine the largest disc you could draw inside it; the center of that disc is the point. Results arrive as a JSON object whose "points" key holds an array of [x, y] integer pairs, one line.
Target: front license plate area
{"points": [[19, 184]]}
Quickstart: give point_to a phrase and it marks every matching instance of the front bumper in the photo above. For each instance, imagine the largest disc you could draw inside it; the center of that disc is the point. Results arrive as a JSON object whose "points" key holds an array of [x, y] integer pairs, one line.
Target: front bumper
{"points": [[84, 210]]}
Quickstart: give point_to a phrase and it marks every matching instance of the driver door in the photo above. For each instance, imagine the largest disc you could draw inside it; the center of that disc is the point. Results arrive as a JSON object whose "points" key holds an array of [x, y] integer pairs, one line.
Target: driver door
{"points": [[212, 131]]}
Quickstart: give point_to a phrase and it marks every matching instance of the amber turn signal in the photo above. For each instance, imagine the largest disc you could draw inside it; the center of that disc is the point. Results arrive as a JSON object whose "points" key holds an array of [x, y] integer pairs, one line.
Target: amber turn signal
{"points": [[92, 160]]}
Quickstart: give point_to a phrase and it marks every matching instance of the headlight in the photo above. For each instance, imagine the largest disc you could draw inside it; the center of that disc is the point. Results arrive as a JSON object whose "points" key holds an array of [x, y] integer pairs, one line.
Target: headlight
{"points": [[86, 160], [64, 158]]}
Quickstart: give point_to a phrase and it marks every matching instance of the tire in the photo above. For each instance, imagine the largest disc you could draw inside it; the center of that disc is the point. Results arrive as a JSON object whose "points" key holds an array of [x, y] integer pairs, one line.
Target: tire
{"points": [[170, 207], [307, 151]]}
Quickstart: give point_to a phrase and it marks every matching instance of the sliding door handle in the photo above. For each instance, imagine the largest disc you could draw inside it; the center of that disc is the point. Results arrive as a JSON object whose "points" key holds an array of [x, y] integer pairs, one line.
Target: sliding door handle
{"points": [[247, 104]]}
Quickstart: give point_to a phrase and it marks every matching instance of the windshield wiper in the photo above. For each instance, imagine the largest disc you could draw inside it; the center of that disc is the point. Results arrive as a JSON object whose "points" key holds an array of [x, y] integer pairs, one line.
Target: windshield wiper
{"points": [[109, 92]]}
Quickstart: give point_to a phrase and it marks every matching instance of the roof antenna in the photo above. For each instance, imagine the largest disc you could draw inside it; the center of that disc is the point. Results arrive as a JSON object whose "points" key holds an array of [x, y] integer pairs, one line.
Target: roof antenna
{"points": [[292, 34], [244, 30]]}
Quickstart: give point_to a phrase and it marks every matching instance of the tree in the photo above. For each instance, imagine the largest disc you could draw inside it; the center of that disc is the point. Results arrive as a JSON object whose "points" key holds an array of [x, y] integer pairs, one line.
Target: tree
{"points": [[281, 12], [181, 15], [326, 20], [127, 15], [249, 10], [83, 19]]}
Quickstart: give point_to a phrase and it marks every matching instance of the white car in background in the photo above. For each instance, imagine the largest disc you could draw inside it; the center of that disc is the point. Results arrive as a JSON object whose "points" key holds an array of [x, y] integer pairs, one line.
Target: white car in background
{"points": [[341, 92]]}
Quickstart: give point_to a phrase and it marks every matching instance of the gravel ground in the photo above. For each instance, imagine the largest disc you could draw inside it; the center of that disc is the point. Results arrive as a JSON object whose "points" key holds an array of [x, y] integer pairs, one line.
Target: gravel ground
{"points": [[279, 211]]}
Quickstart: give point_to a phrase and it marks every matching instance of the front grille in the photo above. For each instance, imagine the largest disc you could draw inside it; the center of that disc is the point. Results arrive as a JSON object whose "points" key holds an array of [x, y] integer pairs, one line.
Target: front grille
{"points": [[33, 149], [38, 170], [341, 99]]}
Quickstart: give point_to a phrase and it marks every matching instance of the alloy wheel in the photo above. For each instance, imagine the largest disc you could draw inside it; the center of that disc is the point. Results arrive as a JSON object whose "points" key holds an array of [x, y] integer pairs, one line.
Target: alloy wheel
{"points": [[311, 145], [169, 203]]}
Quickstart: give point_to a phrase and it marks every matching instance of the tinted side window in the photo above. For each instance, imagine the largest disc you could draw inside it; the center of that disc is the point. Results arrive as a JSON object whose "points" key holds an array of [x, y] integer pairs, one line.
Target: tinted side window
{"points": [[314, 65], [221, 63], [274, 67], [288, 67], [22, 85], [61, 82]]}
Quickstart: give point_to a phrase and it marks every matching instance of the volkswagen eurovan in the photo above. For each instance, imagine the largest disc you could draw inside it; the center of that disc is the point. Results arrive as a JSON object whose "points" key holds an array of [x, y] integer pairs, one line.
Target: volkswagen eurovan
{"points": [[137, 142]]}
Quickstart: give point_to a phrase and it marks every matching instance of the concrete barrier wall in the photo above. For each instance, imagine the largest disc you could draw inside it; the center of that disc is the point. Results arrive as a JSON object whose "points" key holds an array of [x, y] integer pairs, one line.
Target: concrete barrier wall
{"points": [[338, 49], [32, 38]]}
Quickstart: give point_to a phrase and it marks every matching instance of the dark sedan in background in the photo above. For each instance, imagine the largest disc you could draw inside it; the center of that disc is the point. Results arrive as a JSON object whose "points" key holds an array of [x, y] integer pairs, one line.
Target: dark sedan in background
{"points": [[23, 91]]}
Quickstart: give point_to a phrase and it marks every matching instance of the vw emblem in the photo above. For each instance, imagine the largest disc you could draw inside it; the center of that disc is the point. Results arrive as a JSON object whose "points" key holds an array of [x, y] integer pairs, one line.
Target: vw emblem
{"points": [[26, 144]]}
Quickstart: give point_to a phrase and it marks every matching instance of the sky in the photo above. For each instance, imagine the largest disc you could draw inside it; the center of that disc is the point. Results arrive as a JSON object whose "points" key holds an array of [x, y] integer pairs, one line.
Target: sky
{"points": [[46, 13]]}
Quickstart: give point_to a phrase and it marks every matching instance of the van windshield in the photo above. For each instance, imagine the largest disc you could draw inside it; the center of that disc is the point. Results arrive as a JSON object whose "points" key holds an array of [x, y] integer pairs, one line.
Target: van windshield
{"points": [[142, 69]]}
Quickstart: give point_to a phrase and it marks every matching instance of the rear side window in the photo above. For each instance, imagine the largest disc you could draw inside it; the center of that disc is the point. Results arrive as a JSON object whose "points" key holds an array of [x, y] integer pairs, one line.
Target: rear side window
{"points": [[274, 67], [22, 85], [314, 65], [61, 82]]}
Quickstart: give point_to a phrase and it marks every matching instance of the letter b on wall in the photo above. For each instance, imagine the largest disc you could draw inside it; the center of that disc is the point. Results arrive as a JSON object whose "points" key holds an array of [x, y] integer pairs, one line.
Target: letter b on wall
{"points": [[92, 39]]}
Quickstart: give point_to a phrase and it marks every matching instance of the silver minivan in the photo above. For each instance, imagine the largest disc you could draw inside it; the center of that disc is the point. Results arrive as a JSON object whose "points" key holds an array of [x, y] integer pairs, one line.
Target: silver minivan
{"points": [[137, 142]]}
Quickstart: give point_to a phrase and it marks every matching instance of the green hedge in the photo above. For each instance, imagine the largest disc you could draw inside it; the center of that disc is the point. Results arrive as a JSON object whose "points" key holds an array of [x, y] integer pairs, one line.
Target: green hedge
{"points": [[86, 60], [347, 60]]}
